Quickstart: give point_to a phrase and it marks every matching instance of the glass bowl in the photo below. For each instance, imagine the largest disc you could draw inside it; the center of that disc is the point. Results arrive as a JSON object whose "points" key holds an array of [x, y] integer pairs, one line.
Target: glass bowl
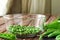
{"points": [[35, 20]]}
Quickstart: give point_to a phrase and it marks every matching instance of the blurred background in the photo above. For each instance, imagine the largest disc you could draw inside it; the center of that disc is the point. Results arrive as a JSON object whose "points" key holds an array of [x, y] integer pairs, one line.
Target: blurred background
{"points": [[47, 7]]}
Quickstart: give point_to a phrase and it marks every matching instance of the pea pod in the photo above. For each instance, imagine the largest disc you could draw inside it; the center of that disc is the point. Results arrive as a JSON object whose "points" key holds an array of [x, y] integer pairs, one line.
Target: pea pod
{"points": [[58, 37], [45, 33], [8, 36], [55, 33]]}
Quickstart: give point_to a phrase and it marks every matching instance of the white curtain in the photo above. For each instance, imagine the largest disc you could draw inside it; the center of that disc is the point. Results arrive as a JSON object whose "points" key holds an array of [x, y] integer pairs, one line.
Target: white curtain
{"points": [[37, 6], [24, 6], [4, 6], [28, 6], [33, 6]]}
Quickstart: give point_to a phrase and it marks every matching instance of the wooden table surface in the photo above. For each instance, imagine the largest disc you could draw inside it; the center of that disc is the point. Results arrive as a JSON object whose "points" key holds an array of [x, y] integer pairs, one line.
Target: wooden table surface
{"points": [[3, 23]]}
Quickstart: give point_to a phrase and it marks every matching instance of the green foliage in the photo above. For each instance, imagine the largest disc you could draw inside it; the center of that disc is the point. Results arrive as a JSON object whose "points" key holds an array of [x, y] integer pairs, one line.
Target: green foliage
{"points": [[55, 25], [52, 29]]}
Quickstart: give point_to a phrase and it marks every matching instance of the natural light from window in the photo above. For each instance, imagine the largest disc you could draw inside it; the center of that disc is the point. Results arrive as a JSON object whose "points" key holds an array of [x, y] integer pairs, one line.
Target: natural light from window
{"points": [[3, 7]]}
